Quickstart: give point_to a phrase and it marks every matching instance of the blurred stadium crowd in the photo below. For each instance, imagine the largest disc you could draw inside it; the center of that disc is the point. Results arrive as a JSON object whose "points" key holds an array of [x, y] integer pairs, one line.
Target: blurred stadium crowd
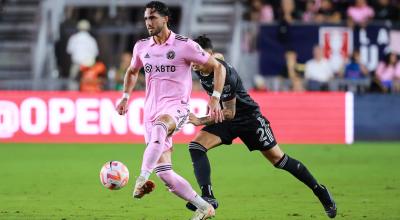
{"points": [[317, 73], [357, 12], [94, 45]]}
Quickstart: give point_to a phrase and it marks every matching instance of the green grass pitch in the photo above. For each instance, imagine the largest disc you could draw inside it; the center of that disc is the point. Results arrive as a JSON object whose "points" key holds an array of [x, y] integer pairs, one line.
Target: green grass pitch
{"points": [[61, 181]]}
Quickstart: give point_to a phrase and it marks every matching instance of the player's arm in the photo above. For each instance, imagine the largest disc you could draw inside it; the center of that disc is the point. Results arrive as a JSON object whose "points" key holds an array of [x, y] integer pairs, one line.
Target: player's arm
{"points": [[228, 111], [219, 81], [130, 79]]}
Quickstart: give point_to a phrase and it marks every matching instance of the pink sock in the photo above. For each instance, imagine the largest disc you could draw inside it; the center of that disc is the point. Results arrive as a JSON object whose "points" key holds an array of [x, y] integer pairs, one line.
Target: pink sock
{"points": [[175, 183], [155, 147]]}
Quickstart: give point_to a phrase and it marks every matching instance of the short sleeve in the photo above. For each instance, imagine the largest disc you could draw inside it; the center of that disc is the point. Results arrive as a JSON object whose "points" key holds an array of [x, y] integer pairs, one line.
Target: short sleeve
{"points": [[136, 63], [194, 53], [229, 91], [228, 95]]}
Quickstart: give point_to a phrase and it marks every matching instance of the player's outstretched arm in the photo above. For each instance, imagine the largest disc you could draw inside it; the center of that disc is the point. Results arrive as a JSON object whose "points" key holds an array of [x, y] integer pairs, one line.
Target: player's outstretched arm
{"points": [[130, 79], [219, 81], [228, 112]]}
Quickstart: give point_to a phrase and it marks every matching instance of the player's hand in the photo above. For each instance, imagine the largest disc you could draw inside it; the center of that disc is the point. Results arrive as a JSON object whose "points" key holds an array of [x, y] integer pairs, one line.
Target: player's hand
{"points": [[215, 110], [122, 106], [194, 120]]}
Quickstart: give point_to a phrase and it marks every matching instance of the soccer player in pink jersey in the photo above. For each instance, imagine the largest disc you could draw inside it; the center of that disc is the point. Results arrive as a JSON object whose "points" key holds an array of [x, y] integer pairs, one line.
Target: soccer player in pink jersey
{"points": [[166, 58]]}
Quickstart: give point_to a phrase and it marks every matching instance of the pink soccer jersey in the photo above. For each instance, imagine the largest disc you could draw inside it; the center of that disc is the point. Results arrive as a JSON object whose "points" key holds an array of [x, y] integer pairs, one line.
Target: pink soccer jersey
{"points": [[168, 71]]}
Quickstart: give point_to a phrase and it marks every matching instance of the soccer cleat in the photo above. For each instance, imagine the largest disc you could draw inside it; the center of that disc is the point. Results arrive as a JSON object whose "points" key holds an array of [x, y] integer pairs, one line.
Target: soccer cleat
{"points": [[143, 187], [327, 201], [200, 214], [212, 201]]}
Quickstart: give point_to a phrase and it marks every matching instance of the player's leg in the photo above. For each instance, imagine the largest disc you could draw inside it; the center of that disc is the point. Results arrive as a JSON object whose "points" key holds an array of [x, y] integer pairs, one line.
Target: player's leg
{"points": [[162, 127], [258, 135], [180, 187], [156, 140], [198, 148], [282, 161]]}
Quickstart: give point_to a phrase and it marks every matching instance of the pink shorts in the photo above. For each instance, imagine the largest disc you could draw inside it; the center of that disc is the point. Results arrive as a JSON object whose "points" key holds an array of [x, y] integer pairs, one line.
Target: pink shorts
{"points": [[180, 114]]}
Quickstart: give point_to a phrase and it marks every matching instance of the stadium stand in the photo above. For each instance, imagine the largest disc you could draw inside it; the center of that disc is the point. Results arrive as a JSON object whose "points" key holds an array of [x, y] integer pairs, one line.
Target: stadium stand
{"points": [[18, 26]]}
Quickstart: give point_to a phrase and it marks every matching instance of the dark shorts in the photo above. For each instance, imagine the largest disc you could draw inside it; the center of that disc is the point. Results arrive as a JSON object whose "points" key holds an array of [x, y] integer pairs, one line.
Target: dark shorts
{"points": [[253, 129]]}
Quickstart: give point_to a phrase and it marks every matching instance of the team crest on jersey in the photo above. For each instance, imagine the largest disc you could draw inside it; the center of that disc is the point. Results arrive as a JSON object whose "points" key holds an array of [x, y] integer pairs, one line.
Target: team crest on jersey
{"points": [[171, 55], [227, 88], [147, 68]]}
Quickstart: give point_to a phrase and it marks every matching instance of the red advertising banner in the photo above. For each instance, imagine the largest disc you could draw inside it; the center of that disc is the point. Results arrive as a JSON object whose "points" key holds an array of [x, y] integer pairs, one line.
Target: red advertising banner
{"points": [[75, 117]]}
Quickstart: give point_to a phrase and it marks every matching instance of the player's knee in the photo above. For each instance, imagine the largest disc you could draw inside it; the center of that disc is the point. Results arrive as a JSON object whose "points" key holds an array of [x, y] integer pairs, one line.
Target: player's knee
{"points": [[158, 133], [272, 157], [168, 122], [275, 159]]}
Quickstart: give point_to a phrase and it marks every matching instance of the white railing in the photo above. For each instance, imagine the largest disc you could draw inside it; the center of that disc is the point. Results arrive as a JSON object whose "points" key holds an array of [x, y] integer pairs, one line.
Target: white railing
{"points": [[51, 14], [234, 50]]}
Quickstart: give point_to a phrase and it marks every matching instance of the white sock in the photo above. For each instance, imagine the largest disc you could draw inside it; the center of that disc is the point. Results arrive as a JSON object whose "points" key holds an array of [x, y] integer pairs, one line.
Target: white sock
{"points": [[145, 174], [199, 202]]}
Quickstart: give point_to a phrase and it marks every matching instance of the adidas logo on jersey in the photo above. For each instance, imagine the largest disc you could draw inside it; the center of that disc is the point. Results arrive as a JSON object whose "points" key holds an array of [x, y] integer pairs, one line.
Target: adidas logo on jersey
{"points": [[147, 56]]}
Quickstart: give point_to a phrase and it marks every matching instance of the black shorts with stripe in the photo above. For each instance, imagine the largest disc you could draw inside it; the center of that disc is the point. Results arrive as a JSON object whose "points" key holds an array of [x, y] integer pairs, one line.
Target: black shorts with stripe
{"points": [[253, 129]]}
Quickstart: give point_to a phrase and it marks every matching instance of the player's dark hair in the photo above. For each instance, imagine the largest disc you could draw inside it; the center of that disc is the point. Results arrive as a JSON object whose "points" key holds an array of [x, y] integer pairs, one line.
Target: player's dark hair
{"points": [[159, 7], [204, 42]]}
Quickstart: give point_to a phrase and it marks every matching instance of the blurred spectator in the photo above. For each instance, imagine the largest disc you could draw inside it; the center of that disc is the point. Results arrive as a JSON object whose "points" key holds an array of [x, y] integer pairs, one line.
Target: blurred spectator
{"points": [[266, 13], [327, 13], [355, 69], [83, 50], [92, 77], [287, 15], [125, 61], [288, 12], [384, 11], [318, 71], [293, 71], [360, 13], [260, 11], [396, 81], [355, 76], [388, 70], [311, 9], [259, 83]]}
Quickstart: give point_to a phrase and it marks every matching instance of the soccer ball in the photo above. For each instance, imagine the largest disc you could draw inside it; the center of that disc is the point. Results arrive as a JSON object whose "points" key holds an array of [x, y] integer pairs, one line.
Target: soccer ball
{"points": [[114, 175]]}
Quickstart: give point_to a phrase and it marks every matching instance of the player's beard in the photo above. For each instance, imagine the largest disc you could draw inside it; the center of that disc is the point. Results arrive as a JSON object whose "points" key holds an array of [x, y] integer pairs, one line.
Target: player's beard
{"points": [[156, 31]]}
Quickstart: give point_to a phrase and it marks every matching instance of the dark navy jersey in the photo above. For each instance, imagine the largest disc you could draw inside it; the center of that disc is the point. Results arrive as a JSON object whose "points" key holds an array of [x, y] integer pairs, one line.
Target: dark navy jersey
{"points": [[233, 87]]}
